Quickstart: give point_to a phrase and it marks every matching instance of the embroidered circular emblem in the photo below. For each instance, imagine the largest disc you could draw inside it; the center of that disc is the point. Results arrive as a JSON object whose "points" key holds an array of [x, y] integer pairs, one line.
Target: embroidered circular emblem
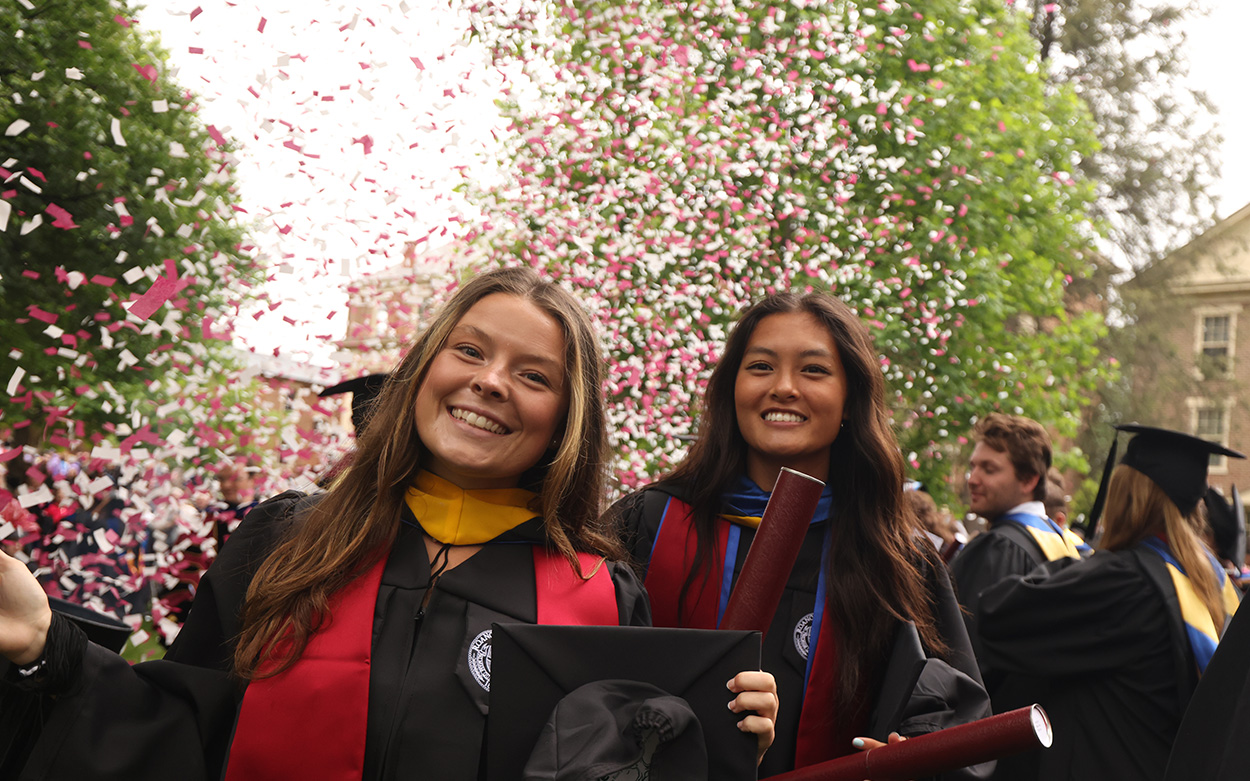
{"points": [[479, 659], [803, 635]]}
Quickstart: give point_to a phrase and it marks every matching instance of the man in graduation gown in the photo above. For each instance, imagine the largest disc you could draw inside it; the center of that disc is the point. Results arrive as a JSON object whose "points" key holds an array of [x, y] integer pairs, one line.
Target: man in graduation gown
{"points": [[1007, 487]]}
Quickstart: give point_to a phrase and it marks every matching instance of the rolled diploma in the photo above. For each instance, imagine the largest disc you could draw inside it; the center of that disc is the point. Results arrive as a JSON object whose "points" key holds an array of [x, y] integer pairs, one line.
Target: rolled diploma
{"points": [[1013, 732], [776, 545]]}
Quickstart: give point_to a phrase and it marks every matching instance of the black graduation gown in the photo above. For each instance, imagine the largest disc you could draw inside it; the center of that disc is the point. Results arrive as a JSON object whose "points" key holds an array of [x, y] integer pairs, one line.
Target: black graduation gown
{"points": [[1101, 645], [173, 718], [1213, 742], [993, 555], [945, 695]]}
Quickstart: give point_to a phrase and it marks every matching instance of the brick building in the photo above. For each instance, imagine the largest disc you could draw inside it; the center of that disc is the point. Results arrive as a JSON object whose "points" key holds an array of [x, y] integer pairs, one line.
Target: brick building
{"points": [[1207, 286]]}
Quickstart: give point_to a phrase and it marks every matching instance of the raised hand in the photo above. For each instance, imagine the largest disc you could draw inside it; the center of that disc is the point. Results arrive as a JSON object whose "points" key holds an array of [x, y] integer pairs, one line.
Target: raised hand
{"points": [[24, 613]]}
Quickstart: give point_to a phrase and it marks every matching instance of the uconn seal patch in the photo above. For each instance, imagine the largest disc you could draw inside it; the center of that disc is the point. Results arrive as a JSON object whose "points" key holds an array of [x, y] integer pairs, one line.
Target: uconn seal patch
{"points": [[479, 659], [803, 635]]}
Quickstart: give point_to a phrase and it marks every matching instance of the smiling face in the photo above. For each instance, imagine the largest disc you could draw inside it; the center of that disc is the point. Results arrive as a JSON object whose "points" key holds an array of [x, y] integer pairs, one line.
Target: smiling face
{"points": [[993, 487], [495, 395], [790, 396]]}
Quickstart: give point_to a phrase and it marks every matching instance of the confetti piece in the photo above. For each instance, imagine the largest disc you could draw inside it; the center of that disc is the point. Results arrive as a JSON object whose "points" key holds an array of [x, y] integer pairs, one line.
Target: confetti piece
{"points": [[41, 496], [60, 217], [116, 129], [14, 382], [260, 28], [73, 74], [6, 530], [17, 126], [29, 6], [160, 107], [102, 540], [31, 224], [5, 210]]}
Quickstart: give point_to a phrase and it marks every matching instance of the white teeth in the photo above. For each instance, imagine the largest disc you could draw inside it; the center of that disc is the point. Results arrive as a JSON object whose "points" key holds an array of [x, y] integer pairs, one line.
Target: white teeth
{"points": [[783, 417], [477, 421]]}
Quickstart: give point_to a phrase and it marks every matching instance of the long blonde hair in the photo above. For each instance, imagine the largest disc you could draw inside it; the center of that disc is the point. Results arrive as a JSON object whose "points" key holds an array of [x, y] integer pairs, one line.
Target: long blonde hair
{"points": [[357, 519], [1138, 508]]}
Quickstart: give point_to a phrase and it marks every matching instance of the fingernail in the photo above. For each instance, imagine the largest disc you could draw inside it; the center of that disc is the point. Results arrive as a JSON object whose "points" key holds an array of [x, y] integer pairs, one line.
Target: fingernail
{"points": [[731, 705], [730, 685], [858, 743]]}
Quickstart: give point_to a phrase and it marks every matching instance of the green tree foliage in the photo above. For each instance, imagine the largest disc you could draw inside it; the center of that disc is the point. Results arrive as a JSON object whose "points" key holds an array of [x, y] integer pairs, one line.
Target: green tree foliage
{"points": [[1158, 144], [680, 159], [121, 258]]}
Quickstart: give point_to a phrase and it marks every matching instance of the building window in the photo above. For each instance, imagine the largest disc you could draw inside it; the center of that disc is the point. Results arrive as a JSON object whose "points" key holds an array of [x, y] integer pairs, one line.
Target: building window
{"points": [[1211, 423], [1217, 329]]}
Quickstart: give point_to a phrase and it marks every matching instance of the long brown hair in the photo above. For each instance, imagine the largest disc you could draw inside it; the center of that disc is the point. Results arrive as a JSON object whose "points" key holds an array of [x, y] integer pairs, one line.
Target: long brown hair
{"points": [[1138, 508], [357, 519], [872, 570]]}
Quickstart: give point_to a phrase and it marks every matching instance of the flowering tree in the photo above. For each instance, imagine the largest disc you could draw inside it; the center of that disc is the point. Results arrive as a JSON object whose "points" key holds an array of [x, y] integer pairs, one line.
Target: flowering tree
{"points": [[675, 160], [121, 257]]}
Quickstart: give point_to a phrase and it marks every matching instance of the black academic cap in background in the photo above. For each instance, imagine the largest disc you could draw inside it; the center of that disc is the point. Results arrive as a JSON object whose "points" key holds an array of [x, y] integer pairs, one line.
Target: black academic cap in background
{"points": [[1228, 525], [534, 668], [1176, 462], [364, 390], [102, 630]]}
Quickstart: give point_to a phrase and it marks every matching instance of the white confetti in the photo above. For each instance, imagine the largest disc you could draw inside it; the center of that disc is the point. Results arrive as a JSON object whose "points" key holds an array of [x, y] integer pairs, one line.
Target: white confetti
{"points": [[6, 530], [42, 496], [160, 106], [33, 223], [5, 210], [106, 452], [73, 73], [102, 540], [116, 129], [100, 483], [16, 127], [29, 6]]}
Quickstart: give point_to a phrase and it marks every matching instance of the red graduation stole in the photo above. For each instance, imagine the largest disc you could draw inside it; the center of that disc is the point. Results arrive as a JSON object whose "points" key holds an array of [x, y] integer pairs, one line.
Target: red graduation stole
{"points": [[310, 721], [823, 732]]}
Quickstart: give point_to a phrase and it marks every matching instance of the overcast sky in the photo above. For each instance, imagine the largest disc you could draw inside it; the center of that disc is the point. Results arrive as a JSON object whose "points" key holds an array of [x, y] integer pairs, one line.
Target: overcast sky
{"points": [[353, 123]]}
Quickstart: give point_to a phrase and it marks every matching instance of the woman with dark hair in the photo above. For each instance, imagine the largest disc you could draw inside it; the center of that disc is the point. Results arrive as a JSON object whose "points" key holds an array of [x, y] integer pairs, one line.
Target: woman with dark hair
{"points": [[359, 619], [1113, 646], [800, 386]]}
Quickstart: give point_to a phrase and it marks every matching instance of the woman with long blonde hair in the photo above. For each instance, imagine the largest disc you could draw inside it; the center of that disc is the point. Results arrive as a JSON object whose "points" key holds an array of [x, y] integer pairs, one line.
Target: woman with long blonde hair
{"points": [[1113, 646], [347, 634]]}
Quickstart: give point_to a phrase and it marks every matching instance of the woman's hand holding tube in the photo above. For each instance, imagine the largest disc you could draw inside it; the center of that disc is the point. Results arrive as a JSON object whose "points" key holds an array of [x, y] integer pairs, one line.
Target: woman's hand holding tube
{"points": [[757, 695], [24, 613]]}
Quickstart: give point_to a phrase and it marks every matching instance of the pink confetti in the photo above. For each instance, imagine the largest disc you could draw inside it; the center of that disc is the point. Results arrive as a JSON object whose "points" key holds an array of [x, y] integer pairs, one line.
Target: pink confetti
{"points": [[260, 28], [60, 218], [146, 71], [163, 289], [42, 316], [196, 13]]}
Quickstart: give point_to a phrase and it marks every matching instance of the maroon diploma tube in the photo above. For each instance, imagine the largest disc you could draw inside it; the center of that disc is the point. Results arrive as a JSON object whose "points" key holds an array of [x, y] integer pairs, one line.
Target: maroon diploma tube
{"points": [[776, 545], [1013, 732]]}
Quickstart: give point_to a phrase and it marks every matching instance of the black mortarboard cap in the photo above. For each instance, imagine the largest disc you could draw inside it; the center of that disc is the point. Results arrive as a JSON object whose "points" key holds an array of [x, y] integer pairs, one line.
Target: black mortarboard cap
{"points": [[102, 630], [1176, 462], [534, 668], [364, 390]]}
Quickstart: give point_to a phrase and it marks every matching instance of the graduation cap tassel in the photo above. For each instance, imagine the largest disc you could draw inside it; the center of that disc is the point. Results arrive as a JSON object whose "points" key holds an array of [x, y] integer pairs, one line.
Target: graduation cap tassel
{"points": [[1091, 523]]}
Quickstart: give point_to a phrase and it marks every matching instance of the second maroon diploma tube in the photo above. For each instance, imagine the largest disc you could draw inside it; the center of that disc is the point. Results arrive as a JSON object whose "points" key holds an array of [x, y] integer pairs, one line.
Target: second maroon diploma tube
{"points": [[776, 545], [1013, 732]]}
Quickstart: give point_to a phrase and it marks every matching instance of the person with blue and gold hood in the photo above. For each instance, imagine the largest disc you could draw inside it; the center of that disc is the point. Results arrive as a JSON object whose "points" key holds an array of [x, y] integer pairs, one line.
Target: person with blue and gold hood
{"points": [[1113, 646]]}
